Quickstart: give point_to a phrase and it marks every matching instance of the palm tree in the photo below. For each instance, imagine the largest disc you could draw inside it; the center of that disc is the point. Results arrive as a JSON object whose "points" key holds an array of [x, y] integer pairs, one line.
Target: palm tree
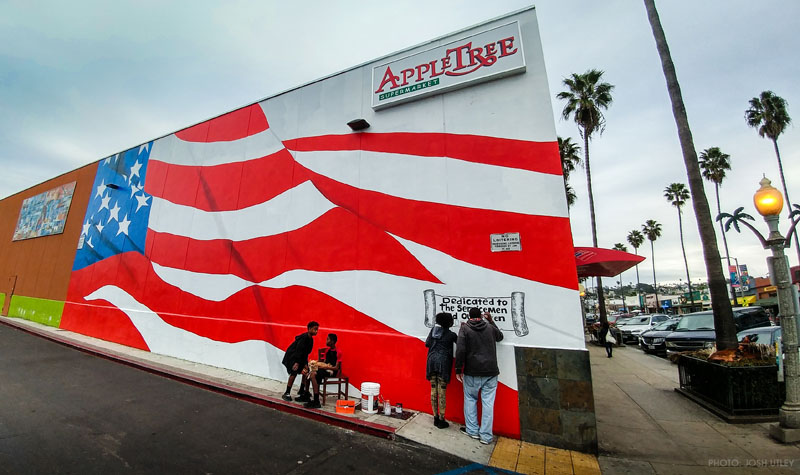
{"points": [[768, 114], [570, 160], [635, 239], [677, 194], [652, 230], [721, 306], [621, 247], [586, 96], [714, 164]]}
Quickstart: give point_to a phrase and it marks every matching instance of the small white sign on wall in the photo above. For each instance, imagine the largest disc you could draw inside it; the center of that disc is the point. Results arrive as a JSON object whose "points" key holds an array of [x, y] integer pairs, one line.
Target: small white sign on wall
{"points": [[506, 242]]}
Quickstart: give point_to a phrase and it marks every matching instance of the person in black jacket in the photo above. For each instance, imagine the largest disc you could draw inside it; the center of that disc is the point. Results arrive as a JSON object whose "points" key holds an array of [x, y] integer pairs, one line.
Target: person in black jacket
{"points": [[440, 343], [296, 362], [476, 358]]}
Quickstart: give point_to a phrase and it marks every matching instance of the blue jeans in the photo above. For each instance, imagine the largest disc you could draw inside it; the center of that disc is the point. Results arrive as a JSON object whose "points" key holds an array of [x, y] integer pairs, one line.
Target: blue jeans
{"points": [[487, 385]]}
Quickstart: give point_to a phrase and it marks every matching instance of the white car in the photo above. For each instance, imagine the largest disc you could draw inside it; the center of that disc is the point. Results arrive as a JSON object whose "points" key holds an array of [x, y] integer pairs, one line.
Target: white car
{"points": [[631, 329]]}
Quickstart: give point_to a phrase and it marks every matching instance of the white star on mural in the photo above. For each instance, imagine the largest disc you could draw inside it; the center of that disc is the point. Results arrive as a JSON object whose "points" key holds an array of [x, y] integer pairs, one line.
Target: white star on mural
{"points": [[135, 170], [99, 227], [145, 146], [142, 201], [89, 243], [107, 161], [104, 203], [101, 188], [135, 189], [113, 213], [123, 226], [85, 230]]}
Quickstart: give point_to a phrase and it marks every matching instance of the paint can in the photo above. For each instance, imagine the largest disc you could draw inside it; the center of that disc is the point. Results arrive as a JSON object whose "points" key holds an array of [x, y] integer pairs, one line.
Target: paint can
{"points": [[369, 397]]}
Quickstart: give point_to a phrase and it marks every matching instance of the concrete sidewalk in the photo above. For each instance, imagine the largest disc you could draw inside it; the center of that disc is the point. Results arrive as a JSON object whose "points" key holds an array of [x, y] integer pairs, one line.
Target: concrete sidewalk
{"points": [[644, 426], [508, 454]]}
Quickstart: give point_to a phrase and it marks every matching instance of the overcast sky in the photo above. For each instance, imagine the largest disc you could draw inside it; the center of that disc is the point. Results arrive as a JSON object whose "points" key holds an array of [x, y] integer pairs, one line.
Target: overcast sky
{"points": [[82, 80]]}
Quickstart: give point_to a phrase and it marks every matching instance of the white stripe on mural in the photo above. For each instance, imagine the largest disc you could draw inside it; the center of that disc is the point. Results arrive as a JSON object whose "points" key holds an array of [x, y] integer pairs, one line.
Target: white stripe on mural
{"points": [[255, 357], [443, 180], [172, 150], [292, 209]]}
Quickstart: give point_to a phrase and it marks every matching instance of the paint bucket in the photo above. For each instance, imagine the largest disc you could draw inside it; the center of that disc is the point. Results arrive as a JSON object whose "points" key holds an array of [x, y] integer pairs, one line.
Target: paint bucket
{"points": [[369, 397]]}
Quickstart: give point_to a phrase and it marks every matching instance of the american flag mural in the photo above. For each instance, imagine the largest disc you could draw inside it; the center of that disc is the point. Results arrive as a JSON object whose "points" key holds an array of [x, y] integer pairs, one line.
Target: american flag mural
{"points": [[218, 243]]}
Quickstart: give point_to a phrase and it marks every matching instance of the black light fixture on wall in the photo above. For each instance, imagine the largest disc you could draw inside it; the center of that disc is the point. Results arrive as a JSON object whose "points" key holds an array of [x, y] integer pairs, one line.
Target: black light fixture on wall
{"points": [[358, 124]]}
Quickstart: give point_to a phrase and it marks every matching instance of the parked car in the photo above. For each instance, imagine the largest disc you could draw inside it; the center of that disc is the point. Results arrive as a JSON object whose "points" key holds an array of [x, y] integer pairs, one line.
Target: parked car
{"points": [[762, 335], [653, 340], [695, 331], [633, 327]]}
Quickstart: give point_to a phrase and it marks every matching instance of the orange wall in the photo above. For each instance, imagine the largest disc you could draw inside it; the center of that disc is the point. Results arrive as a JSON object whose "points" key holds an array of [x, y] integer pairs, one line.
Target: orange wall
{"points": [[43, 265]]}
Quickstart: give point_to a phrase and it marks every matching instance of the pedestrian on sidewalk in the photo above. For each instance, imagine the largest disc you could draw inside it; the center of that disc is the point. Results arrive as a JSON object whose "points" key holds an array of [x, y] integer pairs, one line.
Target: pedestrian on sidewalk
{"points": [[476, 359], [605, 338], [440, 343], [296, 362]]}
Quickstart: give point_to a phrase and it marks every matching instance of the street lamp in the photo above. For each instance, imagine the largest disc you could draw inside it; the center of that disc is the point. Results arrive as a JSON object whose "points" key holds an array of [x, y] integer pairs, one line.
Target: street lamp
{"points": [[769, 203]]}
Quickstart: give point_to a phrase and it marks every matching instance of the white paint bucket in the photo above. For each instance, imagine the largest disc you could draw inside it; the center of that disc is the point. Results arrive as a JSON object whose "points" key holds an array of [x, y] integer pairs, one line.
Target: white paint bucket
{"points": [[369, 396]]}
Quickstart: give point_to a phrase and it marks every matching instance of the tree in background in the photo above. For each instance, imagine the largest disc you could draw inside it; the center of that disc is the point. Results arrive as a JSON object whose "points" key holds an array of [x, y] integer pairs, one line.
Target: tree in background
{"points": [[635, 239], [768, 115], [586, 96], [721, 306], [621, 247], [714, 164], [652, 230], [677, 194], [570, 161]]}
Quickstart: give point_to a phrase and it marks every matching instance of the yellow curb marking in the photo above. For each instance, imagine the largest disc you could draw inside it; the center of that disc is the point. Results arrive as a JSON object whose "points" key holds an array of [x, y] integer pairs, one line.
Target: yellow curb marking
{"points": [[527, 458]]}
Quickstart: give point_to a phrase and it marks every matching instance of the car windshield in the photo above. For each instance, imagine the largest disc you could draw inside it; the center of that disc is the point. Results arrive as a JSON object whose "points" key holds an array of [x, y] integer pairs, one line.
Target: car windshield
{"points": [[668, 325], [761, 336], [639, 321], [623, 321], [698, 321]]}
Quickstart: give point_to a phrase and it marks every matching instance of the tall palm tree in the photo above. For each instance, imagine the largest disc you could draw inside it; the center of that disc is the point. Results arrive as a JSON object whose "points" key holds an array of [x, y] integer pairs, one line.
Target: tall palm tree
{"points": [[677, 194], [635, 239], [621, 247], [768, 114], [721, 306], [714, 164], [570, 161], [652, 230], [586, 96]]}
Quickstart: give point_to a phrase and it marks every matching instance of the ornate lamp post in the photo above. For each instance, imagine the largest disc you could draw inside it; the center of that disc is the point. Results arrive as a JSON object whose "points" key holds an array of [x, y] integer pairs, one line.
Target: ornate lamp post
{"points": [[769, 203]]}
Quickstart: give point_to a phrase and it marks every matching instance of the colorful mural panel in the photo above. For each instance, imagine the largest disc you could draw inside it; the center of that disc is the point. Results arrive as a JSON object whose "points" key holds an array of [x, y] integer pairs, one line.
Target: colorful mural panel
{"points": [[45, 213]]}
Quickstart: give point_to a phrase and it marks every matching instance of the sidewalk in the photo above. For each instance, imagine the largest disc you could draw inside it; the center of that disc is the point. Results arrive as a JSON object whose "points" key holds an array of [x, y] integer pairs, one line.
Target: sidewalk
{"points": [[644, 426], [507, 454]]}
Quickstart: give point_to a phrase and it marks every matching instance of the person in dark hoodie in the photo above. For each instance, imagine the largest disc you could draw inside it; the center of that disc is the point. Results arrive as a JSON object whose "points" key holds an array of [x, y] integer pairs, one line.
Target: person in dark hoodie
{"points": [[296, 362], [476, 359], [440, 343]]}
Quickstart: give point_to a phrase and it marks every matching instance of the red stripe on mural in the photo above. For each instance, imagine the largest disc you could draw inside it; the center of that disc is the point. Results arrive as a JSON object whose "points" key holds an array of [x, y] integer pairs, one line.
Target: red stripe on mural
{"points": [[547, 254], [540, 157], [231, 126], [336, 241], [372, 350]]}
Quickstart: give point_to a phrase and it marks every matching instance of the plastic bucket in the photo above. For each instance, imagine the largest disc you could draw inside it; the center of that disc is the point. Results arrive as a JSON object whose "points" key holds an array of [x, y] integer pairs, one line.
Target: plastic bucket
{"points": [[369, 397]]}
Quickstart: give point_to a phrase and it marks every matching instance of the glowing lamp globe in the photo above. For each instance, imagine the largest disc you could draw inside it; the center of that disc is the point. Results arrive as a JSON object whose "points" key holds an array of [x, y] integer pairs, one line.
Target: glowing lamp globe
{"points": [[768, 200]]}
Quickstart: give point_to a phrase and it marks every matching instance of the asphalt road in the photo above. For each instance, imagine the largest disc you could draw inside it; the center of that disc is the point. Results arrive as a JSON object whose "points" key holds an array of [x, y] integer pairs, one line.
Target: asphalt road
{"points": [[65, 411]]}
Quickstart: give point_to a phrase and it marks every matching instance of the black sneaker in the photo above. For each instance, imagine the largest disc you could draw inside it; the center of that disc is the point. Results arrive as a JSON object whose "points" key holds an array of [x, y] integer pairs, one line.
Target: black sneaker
{"points": [[443, 424], [464, 431], [314, 404], [303, 398], [286, 397]]}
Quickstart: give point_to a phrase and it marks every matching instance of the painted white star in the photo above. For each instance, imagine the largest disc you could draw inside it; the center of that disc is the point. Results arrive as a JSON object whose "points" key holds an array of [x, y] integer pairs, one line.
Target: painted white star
{"points": [[145, 146], [107, 161], [104, 203], [101, 188], [123, 226], [135, 170], [113, 213], [99, 227], [135, 189], [142, 201], [89, 243], [85, 230]]}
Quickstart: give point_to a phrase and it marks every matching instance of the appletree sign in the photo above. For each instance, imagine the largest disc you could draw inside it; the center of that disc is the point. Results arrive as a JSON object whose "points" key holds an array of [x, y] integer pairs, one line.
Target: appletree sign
{"points": [[481, 57]]}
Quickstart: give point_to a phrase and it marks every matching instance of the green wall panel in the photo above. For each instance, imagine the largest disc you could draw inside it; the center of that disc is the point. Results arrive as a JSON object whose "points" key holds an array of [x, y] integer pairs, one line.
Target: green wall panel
{"points": [[44, 311], [2, 300]]}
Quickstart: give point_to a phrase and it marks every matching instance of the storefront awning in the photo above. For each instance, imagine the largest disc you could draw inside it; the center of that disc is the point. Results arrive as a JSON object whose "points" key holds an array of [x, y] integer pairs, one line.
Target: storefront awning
{"points": [[596, 261]]}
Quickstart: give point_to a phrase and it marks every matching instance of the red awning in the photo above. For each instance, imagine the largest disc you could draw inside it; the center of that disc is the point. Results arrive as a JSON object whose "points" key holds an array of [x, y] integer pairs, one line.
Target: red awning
{"points": [[596, 261]]}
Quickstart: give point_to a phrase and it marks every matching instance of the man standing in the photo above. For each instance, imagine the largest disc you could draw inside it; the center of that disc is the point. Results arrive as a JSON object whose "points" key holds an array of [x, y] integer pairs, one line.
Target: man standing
{"points": [[296, 362], [476, 358]]}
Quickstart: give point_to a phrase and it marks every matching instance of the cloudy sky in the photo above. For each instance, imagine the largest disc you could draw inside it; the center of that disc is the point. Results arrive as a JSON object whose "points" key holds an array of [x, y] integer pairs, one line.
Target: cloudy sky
{"points": [[82, 80]]}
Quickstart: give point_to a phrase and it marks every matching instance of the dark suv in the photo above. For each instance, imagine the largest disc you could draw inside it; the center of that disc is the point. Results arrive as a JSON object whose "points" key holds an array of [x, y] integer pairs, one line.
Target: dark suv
{"points": [[695, 331]]}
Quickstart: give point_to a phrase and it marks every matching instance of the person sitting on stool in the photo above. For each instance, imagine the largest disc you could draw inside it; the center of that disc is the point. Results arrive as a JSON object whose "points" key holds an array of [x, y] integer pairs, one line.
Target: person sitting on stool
{"points": [[319, 370]]}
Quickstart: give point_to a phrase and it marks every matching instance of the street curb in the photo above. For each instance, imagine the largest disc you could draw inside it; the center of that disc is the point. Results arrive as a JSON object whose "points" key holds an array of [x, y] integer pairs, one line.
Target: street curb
{"points": [[365, 427]]}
